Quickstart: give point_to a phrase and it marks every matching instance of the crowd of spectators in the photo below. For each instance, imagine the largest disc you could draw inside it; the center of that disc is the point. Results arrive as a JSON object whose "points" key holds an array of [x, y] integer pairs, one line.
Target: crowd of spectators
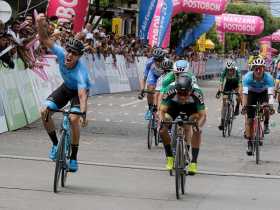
{"points": [[17, 35]]}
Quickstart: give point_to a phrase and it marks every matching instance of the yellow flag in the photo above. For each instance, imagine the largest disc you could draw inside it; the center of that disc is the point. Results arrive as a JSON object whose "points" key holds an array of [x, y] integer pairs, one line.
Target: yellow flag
{"points": [[117, 26]]}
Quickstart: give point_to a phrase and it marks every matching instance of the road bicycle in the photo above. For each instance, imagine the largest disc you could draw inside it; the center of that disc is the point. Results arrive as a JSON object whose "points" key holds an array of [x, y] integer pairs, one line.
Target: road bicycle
{"points": [[182, 156], [63, 149], [228, 112]]}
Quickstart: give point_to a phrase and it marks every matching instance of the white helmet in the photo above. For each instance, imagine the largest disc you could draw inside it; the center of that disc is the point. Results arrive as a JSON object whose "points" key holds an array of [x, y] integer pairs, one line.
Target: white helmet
{"points": [[230, 65], [181, 66], [258, 62]]}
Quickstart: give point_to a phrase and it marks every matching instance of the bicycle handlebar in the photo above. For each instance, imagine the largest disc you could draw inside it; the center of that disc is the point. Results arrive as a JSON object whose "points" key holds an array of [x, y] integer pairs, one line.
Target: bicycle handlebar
{"points": [[229, 92], [68, 112]]}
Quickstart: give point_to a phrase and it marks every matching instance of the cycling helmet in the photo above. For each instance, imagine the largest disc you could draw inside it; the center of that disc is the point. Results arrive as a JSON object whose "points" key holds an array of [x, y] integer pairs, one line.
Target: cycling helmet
{"points": [[167, 64], [158, 54], [181, 66], [184, 83], [230, 65], [75, 45], [258, 62]]}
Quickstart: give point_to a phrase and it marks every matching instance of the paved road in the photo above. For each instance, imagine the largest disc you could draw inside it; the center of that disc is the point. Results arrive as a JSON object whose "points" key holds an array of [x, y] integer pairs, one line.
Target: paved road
{"points": [[118, 172]]}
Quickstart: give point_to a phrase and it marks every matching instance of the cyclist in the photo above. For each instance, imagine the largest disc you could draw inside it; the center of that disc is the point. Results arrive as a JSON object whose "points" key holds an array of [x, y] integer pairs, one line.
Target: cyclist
{"points": [[256, 54], [151, 74], [167, 66], [74, 88], [185, 98], [181, 67], [258, 86], [231, 80]]}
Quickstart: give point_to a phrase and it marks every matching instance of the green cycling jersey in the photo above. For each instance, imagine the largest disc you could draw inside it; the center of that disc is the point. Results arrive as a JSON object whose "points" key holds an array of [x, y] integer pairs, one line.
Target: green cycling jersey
{"points": [[170, 78], [226, 77]]}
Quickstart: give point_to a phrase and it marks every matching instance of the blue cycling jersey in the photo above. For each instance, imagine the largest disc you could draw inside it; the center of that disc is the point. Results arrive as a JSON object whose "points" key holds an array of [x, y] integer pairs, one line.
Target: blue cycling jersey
{"points": [[151, 67], [76, 78], [250, 84]]}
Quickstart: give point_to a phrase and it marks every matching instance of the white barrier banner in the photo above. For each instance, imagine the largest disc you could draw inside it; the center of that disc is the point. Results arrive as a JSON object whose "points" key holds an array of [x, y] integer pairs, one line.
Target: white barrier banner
{"points": [[117, 78], [27, 96], [11, 100], [3, 122]]}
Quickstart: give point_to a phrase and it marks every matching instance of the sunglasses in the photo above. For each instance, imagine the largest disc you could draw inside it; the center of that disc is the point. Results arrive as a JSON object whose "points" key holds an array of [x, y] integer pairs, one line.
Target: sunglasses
{"points": [[73, 52]]}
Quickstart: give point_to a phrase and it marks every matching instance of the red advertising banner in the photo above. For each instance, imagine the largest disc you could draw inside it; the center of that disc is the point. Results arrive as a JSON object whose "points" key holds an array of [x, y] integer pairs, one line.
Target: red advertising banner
{"points": [[73, 10]]}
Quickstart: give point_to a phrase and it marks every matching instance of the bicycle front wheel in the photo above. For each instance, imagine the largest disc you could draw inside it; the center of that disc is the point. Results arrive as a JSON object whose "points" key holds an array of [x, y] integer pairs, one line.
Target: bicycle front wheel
{"points": [[150, 134], [59, 163], [67, 153], [225, 121], [179, 169], [257, 142], [230, 118]]}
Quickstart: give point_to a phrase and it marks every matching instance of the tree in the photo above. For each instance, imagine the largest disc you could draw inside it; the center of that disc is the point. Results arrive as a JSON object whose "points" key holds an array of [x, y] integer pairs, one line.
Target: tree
{"points": [[180, 24]]}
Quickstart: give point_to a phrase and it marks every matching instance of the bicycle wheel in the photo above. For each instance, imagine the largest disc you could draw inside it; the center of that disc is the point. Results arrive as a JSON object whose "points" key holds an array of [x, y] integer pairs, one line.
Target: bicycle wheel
{"points": [[179, 172], [257, 142], [183, 173], [150, 134], [67, 153], [225, 121], [230, 118], [60, 158]]}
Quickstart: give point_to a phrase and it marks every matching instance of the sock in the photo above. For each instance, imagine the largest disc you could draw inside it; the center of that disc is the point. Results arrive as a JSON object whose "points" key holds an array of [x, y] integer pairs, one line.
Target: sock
{"points": [[168, 150], [53, 137], [74, 151], [195, 152]]}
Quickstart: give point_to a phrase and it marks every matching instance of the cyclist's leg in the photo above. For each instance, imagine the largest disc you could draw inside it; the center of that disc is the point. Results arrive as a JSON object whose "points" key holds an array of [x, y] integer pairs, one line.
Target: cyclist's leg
{"points": [[56, 100], [251, 113]]}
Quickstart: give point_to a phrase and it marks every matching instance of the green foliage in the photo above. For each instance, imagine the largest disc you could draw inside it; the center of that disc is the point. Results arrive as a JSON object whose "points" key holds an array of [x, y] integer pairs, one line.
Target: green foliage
{"points": [[181, 23]]}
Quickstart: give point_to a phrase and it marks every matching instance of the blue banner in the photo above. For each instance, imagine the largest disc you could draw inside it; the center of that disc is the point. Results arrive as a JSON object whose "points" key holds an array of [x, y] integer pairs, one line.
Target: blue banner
{"points": [[165, 18], [146, 13], [192, 34]]}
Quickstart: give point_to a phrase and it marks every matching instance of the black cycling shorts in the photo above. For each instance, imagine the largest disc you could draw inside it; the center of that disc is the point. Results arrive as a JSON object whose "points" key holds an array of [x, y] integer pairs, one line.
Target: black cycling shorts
{"points": [[174, 109], [253, 98], [231, 85], [62, 95]]}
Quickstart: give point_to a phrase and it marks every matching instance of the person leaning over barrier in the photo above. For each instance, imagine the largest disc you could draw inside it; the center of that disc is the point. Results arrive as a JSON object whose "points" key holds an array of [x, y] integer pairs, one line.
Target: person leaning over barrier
{"points": [[74, 88]]}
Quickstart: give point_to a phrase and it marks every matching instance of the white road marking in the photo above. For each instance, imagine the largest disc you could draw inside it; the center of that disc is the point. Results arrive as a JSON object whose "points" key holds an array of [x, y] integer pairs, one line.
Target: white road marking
{"points": [[125, 113], [110, 104], [99, 104], [131, 103], [107, 120], [138, 167]]}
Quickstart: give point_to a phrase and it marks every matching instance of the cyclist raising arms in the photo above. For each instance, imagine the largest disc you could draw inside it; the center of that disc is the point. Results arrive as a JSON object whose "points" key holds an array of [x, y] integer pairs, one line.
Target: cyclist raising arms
{"points": [[258, 86], [74, 88], [151, 74], [185, 98], [231, 80]]}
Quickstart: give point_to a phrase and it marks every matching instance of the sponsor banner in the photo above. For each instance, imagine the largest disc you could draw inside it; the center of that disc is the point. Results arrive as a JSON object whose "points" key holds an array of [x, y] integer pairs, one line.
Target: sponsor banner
{"points": [[146, 13], [27, 96], [213, 7], [73, 10], [3, 123], [11, 101], [242, 24], [192, 34]]}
